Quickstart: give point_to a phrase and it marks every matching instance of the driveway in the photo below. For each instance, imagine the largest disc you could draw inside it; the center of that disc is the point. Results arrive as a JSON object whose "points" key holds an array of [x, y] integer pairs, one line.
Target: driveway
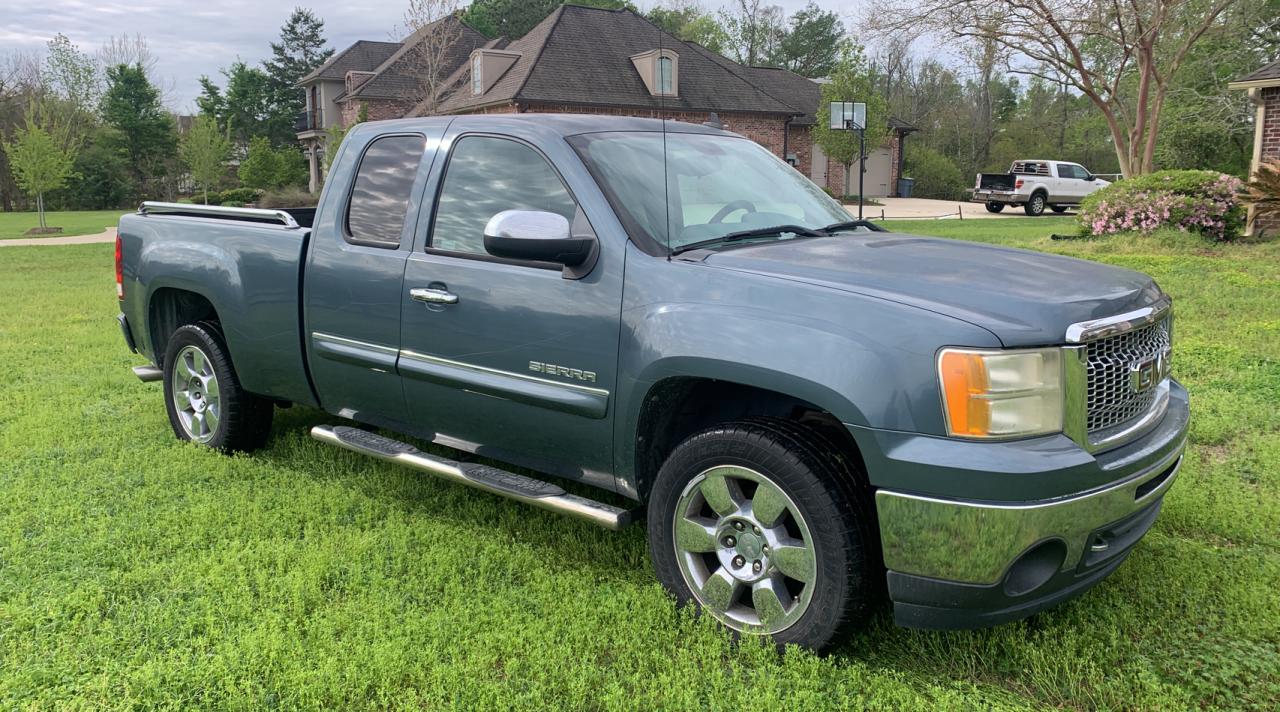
{"points": [[894, 208], [108, 235]]}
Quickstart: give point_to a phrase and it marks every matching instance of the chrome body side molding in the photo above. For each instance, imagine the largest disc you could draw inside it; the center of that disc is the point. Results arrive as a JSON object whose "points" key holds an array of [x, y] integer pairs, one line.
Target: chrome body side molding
{"points": [[376, 357], [565, 397]]}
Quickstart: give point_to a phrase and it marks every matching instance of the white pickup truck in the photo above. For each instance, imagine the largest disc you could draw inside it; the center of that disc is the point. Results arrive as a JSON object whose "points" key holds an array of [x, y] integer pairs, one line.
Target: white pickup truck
{"points": [[1036, 185]]}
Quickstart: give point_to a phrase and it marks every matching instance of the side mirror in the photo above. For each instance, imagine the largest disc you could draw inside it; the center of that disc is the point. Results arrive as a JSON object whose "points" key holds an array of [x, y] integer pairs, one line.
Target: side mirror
{"points": [[535, 235]]}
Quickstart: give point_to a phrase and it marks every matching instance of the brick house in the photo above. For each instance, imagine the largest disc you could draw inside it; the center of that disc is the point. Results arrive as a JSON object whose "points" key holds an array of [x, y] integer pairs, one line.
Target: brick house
{"points": [[614, 62], [1263, 86]]}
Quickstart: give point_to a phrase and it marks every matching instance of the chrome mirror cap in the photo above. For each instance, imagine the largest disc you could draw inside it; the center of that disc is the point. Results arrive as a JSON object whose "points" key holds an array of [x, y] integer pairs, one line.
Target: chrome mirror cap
{"points": [[536, 236]]}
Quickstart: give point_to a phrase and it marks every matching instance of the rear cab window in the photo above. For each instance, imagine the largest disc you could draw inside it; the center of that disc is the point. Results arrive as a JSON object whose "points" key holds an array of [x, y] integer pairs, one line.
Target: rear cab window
{"points": [[381, 191]]}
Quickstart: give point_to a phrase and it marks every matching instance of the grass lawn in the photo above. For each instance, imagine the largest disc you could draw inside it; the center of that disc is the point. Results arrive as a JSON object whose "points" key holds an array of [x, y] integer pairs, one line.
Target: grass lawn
{"points": [[72, 222], [139, 572]]}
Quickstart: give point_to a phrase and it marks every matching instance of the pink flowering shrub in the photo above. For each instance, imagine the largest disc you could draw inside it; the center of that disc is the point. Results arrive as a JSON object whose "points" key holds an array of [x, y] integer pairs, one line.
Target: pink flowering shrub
{"points": [[1204, 202]]}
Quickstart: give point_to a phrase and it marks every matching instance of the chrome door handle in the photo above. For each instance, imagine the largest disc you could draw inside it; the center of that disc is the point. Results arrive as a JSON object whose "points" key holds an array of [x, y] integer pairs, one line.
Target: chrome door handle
{"points": [[433, 296]]}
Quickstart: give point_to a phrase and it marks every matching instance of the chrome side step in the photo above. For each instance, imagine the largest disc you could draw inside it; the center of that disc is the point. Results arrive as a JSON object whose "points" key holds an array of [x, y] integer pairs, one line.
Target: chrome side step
{"points": [[148, 374], [490, 479]]}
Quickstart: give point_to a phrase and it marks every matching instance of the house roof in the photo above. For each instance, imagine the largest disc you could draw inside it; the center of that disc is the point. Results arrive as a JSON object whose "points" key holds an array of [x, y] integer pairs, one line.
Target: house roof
{"points": [[396, 78], [1268, 76], [363, 56], [582, 56]]}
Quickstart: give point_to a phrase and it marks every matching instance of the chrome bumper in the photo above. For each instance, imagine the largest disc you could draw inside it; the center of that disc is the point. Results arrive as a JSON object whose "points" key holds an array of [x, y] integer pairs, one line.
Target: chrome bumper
{"points": [[976, 542], [999, 196]]}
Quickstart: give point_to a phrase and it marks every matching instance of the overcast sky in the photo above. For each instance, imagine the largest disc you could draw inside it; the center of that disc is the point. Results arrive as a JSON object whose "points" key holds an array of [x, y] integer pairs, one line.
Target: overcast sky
{"points": [[193, 38]]}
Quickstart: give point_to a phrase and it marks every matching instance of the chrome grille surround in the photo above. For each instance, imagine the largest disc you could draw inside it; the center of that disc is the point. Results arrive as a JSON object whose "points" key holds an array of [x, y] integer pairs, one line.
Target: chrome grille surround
{"points": [[1111, 399], [1101, 409]]}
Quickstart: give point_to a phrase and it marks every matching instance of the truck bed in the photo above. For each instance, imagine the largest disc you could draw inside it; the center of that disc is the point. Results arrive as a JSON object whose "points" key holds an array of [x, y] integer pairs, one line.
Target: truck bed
{"points": [[247, 267], [995, 181]]}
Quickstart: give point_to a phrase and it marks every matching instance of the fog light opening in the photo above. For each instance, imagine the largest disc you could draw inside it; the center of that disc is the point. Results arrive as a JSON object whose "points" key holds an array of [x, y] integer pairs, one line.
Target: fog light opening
{"points": [[1035, 567]]}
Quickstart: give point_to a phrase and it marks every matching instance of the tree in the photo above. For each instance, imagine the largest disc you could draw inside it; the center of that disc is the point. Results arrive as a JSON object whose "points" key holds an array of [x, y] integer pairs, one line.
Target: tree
{"points": [[434, 29], [688, 21], [266, 167], [72, 74], [41, 162], [245, 107], [853, 80], [811, 47], [1123, 56], [204, 150], [754, 29], [301, 50], [144, 130]]}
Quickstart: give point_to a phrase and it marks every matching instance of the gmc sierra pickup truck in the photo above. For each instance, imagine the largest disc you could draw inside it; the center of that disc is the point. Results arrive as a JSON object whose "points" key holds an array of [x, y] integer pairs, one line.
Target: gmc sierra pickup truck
{"points": [[1036, 185], [809, 411]]}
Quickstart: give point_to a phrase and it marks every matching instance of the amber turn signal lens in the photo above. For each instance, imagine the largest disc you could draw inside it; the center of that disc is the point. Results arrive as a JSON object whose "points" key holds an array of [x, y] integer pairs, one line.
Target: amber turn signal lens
{"points": [[964, 376]]}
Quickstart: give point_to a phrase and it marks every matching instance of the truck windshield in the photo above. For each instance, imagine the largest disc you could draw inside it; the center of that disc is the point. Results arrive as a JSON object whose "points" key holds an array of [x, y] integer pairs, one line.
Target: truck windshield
{"points": [[715, 186]]}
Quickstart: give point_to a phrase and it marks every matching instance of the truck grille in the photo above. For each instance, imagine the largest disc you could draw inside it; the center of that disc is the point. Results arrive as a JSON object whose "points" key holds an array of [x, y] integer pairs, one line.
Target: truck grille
{"points": [[1112, 400]]}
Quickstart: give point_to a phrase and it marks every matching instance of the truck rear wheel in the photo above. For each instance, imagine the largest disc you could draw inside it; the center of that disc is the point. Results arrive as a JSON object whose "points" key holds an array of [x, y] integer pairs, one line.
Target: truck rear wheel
{"points": [[203, 396], [1035, 205], [762, 525], [994, 207]]}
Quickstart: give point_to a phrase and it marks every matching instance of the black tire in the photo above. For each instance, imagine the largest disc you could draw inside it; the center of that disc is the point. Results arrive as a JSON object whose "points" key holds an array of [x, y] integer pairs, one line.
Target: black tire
{"points": [[243, 420], [830, 494], [1058, 208], [994, 207], [1036, 204]]}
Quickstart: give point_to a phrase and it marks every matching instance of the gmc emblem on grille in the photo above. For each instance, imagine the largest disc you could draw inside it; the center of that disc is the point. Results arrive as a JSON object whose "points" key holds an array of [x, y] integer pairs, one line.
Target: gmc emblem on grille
{"points": [[1144, 375]]}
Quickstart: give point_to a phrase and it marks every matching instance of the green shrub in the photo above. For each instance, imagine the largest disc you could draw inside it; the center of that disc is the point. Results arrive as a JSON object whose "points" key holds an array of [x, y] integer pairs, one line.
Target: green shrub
{"points": [[1203, 202], [288, 198], [235, 197], [266, 167], [935, 175]]}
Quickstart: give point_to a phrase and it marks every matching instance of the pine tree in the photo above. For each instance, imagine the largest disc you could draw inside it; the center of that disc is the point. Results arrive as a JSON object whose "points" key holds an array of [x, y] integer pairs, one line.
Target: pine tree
{"points": [[301, 50]]}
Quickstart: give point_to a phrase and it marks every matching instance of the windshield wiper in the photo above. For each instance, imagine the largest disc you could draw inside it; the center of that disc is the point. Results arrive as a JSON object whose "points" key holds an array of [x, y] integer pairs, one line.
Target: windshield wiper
{"points": [[850, 225], [754, 232]]}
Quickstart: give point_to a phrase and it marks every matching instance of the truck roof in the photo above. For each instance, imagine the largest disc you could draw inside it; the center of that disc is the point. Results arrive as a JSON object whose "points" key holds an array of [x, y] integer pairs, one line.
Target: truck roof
{"points": [[562, 124]]}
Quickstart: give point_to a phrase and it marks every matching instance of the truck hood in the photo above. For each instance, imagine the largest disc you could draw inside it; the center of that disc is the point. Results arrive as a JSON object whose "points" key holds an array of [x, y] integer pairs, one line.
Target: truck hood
{"points": [[1025, 298]]}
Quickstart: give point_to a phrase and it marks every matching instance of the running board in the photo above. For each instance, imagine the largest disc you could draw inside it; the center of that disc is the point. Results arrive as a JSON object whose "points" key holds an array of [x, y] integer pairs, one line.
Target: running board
{"points": [[490, 479], [148, 374]]}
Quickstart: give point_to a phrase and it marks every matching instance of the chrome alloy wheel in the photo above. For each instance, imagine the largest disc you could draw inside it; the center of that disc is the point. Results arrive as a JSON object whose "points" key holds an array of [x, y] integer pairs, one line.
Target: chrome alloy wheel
{"points": [[744, 550], [196, 397]]}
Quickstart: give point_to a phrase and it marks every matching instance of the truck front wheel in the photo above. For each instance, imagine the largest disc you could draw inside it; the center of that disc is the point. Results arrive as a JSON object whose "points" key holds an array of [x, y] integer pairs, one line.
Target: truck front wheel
{"points": [[1035, 205], [203, 396], [763, 525]]}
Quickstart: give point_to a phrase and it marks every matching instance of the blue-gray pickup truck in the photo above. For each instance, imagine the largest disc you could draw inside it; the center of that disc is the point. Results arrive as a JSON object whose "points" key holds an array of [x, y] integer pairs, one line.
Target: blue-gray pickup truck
{"points": [[810, 413]]}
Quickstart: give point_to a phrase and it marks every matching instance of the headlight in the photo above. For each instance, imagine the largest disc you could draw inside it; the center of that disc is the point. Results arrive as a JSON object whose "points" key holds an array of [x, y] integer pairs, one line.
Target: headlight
{"points": [[1001, 394]]}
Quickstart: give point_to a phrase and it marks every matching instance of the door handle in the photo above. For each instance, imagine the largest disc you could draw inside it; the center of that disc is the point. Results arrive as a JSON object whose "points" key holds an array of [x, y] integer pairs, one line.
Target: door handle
{"points": [[433, 296]]}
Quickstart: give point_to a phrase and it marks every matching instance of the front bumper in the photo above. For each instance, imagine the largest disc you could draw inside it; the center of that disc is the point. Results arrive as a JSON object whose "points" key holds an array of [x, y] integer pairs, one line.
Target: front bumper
{"points": [[957, 562]]}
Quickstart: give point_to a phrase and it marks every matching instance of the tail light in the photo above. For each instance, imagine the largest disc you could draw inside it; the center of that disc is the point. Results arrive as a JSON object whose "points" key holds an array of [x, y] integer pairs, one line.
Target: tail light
{"points": [[1018, 184], [119, 270]]}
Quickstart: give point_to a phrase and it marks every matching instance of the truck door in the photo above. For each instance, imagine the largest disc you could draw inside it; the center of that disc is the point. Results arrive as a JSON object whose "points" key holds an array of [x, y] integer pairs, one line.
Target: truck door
{"points": [[515, 360], [355, 269]]}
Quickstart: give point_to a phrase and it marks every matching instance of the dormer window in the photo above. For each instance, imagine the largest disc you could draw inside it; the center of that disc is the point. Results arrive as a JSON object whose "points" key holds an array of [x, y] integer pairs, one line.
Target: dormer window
{"points": [[659, 69], [666, 75], [488, 66]]}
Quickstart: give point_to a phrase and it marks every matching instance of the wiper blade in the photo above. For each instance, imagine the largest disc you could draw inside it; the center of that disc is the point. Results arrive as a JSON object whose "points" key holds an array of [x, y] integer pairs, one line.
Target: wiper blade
{"points": [[754, 232], [852, 224]]}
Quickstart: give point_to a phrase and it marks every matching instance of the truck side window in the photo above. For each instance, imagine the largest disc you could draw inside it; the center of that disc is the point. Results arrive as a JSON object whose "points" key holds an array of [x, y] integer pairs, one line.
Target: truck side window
{"points": [[485, 176], [380, 197]]}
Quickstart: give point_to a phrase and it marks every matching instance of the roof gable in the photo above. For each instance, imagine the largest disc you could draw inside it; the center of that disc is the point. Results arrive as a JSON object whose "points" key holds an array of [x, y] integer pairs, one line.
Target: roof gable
{"points": [[362, 56], [582, 56], [395, 77]]}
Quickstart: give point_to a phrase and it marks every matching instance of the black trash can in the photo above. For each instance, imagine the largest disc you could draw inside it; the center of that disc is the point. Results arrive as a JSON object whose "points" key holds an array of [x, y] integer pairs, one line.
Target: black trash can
{"points": [[904, 187]]}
